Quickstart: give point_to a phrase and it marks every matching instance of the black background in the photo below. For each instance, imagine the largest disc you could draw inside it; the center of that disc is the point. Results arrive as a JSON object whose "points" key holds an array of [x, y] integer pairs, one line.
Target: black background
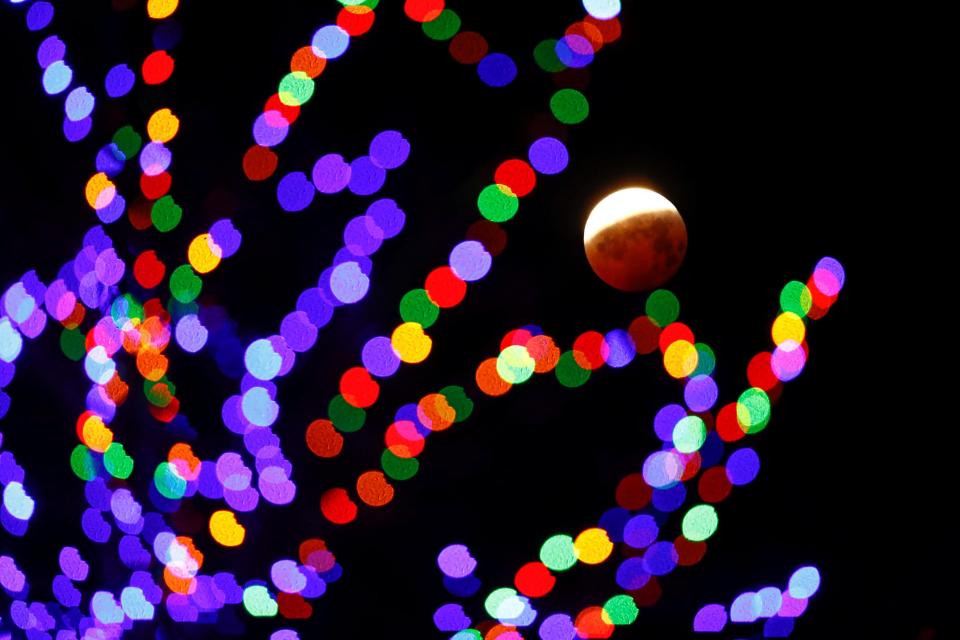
{"points": [[754, 123]]}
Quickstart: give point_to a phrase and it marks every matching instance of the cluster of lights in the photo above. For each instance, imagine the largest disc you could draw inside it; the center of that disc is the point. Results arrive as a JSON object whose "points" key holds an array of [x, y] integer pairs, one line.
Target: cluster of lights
{"points": [[445, 287], [405, 440], [80, 101], [331, 174], [574, 50], [253, 411], [143, 330], [17, 506], [526, 351], [458, 567], [295, 89], [155, 208], [99, 457], [694, 439], [58, 76], [779, 609], [466, 47], [143, 327], [523, 352], [183, 474]]}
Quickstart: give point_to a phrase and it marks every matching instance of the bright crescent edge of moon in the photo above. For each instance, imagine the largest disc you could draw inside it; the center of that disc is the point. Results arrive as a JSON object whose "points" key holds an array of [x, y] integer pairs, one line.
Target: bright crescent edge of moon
{"points": [[623, 204]]}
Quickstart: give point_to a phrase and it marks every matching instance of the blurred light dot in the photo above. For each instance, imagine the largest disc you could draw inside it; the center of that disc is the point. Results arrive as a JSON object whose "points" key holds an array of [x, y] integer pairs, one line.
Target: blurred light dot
{"points": [[203, 253], [119, 81], [593, 546], [379, 357], [423, 10], [602, 9], [331, 173], [621, 610], [804, 583], [366, 178], [680, 359], [470, 260], [163, 126], [261, 360], [796, 298], [569, 106], [389, 149], [410, 343], [160, 9], [549, 156], [225, 529], [191, 334], [689, 434], [699, 523], [99, 366], [295, 192], [788, 360], [456, 561], [11, 342], [330, 42], [258, 407], [745, 607], [497, 70], [788, 326], [444, 26], [296, 89], [558, 553], [558, 626], [57, 77], [770, 599], [17, 502], [348, 282], [258, 603], [743, 466], [753, 410], [225, 237], [828, 276], [710, 619], [662, 469], [39, 16], [618, 349], [700, 393], [640, 531], [515, 365]]}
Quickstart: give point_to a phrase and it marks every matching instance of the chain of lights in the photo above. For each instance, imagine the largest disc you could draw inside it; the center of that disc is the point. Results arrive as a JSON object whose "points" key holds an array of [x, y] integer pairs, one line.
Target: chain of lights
{"points": [[445, 287], [693, 445], [104, 328], [779, 609]]}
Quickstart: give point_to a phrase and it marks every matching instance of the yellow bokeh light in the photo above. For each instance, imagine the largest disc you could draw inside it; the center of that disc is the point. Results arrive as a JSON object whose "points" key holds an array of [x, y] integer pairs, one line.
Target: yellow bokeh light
{"points": [[788, 326], [99, 191], [96, 434], [204, 254], [160, 9], [593, 546], [163, 126], [225, 529], [680, 359], [411, 344]]}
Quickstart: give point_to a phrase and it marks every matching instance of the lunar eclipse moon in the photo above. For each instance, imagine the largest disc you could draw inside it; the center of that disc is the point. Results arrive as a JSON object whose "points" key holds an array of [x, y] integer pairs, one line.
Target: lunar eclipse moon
{"points": [[635, 239]]}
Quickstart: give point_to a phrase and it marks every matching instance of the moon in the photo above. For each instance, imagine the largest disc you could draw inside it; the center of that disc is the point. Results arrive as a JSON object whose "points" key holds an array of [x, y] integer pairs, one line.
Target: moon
{"points": [[635, 239]]}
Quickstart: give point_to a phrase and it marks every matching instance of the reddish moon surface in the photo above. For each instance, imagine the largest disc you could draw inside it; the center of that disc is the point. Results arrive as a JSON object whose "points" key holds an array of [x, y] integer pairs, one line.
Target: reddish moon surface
{"points": [[635, 239]]}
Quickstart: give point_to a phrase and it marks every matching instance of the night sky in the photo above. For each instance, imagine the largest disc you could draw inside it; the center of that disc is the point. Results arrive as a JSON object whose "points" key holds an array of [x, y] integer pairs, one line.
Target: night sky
{"points": [[751, 124]]}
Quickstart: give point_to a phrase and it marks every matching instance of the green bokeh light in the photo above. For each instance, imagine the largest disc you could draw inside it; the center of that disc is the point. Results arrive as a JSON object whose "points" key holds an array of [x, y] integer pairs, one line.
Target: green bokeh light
{"points": [[699, 523], [662, 307]]}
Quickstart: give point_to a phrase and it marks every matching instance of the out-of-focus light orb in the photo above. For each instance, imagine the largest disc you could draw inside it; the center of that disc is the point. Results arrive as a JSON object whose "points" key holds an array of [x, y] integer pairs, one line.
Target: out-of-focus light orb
{"points": [[635, 239]]}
